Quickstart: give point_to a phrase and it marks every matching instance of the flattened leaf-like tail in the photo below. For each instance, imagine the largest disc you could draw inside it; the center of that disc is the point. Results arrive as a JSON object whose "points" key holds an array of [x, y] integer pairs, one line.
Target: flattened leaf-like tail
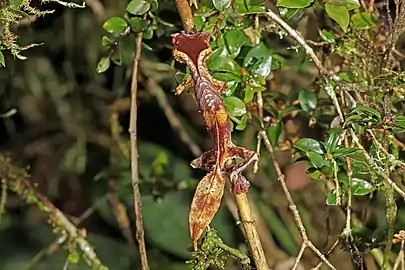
{"points": [[205, 204]]}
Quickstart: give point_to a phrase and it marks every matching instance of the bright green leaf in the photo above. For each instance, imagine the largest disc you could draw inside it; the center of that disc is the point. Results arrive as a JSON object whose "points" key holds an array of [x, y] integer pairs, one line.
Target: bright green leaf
{"points": [[221, 61], [288, 13], [274, 132], [339, 14], [331, 198], [234, 106], [235, 39], [348, 4], [363, 20], [308, 145], [105, 41], [361, 187], [262, 67], [138, 24], [260, 51], [307, 100], [138, 7], [332, 143], [317, 160], [327, 36], [294, 3], [243, 121], [2, 62], [103, 65], [345, 152], [115, 25], [221, 5]]}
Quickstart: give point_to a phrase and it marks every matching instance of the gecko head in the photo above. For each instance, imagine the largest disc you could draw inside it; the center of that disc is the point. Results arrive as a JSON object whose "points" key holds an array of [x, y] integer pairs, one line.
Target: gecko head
{"points": [[190, 44]]}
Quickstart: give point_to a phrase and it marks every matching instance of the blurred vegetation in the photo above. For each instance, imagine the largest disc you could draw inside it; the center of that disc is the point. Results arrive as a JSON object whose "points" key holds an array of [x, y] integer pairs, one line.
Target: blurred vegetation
{"points": [[65, 115]]}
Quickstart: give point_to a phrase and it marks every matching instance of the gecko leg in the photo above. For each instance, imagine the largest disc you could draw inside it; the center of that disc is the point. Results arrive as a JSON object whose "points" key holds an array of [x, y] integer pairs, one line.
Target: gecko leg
{"points": [[186, 84], [206, 161], [239, 182]]}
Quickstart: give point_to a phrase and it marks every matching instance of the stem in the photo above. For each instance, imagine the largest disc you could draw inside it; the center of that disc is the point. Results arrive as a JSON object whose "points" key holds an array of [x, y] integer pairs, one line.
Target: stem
{"points": [[252, 235], [134, 156], [186, 15]]}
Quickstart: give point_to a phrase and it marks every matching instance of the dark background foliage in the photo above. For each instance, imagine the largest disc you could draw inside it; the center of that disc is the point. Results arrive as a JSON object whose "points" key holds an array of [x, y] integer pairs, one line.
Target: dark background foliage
{"points": [[70, 133]]}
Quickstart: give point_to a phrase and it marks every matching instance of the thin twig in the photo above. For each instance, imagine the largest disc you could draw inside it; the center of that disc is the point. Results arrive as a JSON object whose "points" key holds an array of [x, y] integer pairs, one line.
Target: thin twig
{"points": [[292, 206], [186, 15], [174, 121], [252, 236], [134, 156], [18, 183]]}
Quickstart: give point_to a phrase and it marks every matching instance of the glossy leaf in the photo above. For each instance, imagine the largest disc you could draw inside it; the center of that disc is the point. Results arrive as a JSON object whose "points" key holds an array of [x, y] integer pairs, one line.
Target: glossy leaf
{"points": [[249, 7], [260, 51], [348, 4], [262, 67], [308, 145], [243, 121], [334, 138], [345, 152], [288, 13], [361, 187], [138, 7], [327, 36], [138, 24], [235, 39], [115, 25], [221, 5], [307, 100], [294, 3], [234, 106], [339, 14], [2, 62], [220, 60], [274, 132], [103, 65], [367, 111], [331, 198], [317, 160], [363, 20]]}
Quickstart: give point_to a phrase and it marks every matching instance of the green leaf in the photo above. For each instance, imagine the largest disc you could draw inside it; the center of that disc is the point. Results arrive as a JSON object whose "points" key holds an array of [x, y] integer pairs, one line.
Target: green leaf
{"points": [[288, 13], [138, 24], [331, 198], [286, 111], [274, 132], [307, 100], [348, 4], [242, 124], [2, 62], [363, 20], [317, 160], [221, 61], [332, 143], [103, 64], [221, 5], [294, 3], [115, 25], [235, 39], [327, 36], [234, 106], [260, 51], [339, 14], [245, 7], [345, 152], [105, 41], [361, 187], [309, 145], [262, 67], [367, 111], [138, 7]]}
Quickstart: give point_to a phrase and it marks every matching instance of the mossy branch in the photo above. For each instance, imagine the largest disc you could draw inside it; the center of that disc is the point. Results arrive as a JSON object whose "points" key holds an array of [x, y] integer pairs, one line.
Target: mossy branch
{"points": [[17, 180]]}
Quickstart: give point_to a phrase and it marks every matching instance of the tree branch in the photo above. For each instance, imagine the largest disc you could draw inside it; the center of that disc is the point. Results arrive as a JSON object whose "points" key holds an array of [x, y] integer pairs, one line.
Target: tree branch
{"points": [[134, 156]]}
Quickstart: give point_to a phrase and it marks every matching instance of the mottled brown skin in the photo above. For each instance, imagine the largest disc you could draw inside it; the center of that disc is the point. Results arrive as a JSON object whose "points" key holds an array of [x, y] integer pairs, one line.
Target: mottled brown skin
{"points": [[193, 50]]}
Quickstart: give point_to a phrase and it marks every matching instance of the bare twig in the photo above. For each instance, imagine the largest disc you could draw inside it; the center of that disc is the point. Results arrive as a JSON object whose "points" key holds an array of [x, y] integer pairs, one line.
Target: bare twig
{"points": [[158, 92], [186, 15], [17, 182], [134, 156], [252, 235], [281, 178], [97, 8]]}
